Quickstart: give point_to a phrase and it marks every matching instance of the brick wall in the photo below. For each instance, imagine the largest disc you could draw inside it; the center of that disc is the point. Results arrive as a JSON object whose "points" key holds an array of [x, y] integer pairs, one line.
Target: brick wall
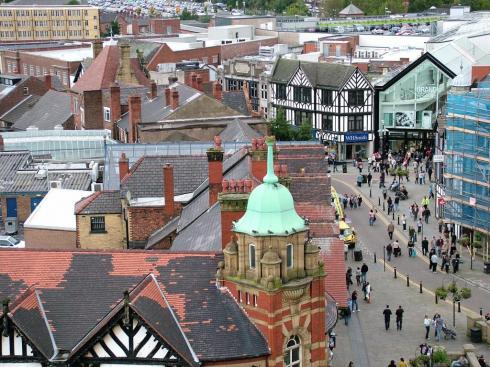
{"points": [[49, 238], [166, 55], [143, 221], [92, 105], [159, 26], [245, 48], [114, 236], [34, 86], [23, 206]]}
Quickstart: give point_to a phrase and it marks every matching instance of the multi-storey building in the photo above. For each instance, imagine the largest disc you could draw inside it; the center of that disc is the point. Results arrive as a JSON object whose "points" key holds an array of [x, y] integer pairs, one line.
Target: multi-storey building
{"points": [[50, 22], [466, 202], [337, 99]]}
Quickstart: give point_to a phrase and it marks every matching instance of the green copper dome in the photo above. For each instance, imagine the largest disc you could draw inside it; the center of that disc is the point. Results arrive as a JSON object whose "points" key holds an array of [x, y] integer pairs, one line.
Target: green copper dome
{"points": [[270, 208]]}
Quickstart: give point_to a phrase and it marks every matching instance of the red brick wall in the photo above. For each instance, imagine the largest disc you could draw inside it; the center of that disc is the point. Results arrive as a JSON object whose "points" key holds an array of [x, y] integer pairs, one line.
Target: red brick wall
{"points": [[34, 85], [49, 239], [245, 48], [203, 73], [92, 104], [159, 26], [311, 46], [166, 55], [143, 221]]}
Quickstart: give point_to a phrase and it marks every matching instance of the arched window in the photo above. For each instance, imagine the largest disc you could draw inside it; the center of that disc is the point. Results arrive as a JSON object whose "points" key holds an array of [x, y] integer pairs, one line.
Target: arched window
{"points": [[292, 354], [289, 255], [251, 256]]}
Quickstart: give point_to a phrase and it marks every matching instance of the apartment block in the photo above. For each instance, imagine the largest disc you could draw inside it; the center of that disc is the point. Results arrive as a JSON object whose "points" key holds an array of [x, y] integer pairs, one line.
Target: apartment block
{"points": [[42, 23]]}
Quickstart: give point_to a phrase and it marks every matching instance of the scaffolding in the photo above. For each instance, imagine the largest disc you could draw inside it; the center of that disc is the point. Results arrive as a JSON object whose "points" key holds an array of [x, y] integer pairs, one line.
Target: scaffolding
{"points": [[467, 159]]}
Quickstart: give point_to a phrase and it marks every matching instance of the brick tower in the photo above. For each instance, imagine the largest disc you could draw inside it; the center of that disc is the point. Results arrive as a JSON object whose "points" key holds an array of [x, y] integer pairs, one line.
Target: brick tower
{"points": [[275, 273]]}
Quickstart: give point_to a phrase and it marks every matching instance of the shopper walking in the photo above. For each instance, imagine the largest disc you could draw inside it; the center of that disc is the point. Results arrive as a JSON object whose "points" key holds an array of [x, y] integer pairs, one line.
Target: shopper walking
{"points": [[355, 306], [433, 260], [389, 251], [399, 317], [404, 222], [425, 246], [364, 270], [387, 316], [391, 229], [427, 323]]}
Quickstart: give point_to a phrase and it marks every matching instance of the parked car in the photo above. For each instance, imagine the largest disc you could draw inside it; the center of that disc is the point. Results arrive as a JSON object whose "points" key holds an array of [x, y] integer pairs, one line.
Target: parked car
{"points": [[359, 28], [11, 242], [349, 28], [377, 31], [339, 29]]}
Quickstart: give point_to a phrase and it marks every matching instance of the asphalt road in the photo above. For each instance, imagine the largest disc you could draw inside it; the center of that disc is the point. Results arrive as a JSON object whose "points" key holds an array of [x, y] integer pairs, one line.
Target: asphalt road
{"points": [[374, 238]]}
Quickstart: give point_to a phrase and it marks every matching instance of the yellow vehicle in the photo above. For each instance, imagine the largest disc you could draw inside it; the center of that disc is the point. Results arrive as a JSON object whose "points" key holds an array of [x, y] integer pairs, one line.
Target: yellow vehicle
{"points": [[347, 232]]}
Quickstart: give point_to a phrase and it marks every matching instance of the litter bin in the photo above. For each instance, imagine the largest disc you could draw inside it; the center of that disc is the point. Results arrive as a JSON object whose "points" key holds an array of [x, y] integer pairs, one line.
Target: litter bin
{"points": [[486, 267], [476, 335], [357, 255], [344, 167]]}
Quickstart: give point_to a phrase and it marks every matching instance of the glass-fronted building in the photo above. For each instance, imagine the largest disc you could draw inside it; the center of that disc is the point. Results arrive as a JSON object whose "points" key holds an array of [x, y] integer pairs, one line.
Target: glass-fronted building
{"points": [[467, 162], [407, 103]]}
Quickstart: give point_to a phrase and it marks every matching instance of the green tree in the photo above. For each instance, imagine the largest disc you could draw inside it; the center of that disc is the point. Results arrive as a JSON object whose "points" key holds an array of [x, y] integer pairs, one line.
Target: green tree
{"points": [[187, 15], [280, 128], [73, 2], [303, 133], [331, 8], [297, 8]]}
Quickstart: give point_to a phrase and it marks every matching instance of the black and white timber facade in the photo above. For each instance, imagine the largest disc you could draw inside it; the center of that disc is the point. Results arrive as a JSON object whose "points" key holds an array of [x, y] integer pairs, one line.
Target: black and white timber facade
{"points": [[337, 99]]}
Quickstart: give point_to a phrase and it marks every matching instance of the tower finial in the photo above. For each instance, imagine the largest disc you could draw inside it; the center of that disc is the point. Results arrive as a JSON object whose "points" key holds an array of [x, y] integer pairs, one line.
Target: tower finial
{"points": [[270, 177]]}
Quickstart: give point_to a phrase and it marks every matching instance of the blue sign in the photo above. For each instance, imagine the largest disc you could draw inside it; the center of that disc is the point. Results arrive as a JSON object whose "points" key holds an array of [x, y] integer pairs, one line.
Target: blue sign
{"points": [[356, 137]]}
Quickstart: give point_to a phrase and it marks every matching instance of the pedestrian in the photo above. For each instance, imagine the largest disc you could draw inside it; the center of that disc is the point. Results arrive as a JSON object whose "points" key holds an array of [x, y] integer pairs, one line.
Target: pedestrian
{"points": [[427, 323], [419, 225], [385, 193], [404, 222], [429, 173], [364, 270], [347, 312], [392, 363], [399, 317], [433, 260], [396, 203], [367, 292], [387, 315], [358, 276], [391, 229], [439, 323], [371, 217], [389, 251], [369, 178], [346, 250], [355, 306], [359, 200], [390, 203], [348, 277], [426, 214], [402, 362], [455, 263], [396, 249], [425, 246], [441, 225], [411, 249]]}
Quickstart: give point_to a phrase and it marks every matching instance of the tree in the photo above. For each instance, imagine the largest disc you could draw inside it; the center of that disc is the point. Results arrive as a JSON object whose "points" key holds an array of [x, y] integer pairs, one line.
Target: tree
{"points": [[331, 8], [73, 2], [297, 8], [187, 15], [152, 12], [303, 133], [279, 127]]}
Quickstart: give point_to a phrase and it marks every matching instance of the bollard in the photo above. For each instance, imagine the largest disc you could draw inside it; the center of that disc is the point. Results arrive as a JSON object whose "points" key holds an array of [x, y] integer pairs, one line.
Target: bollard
{"points": [[481, 311], [398, 220], [437, 301], [370, 194], [459, 306], [394, 269], [375, 257], [393, 217], [408, 280], [379, 201], [420, 286], [383, 206]]}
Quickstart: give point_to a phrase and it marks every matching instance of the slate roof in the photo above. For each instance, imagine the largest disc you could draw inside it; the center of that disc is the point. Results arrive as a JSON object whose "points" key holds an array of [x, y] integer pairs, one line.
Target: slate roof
{"points": [[237, 101], [351, 9], [320, 74], [78, 289], [10, 162], [238, 130], [100, 202], [54, 108], [146, 176], [16, 112]]}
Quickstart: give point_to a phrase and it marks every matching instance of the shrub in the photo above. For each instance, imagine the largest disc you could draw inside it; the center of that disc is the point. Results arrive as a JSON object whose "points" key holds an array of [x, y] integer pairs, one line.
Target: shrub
{"points": [[464, 240], [442, 292], [440, 356], [420, 361], [465, 293]]}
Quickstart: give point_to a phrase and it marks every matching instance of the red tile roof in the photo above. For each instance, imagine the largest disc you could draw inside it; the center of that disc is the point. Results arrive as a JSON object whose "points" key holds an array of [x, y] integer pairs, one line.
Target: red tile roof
{"points": [[332, 253]]}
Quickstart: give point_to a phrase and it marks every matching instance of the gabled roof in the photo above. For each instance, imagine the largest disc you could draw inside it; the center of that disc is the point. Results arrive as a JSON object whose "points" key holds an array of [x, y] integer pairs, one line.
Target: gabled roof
{"points": [[80, 288], [145, 179], [236, 100], [10, 162], [54, 108], [332, 253], [320, 74], [16, 112], [100, 202], [351, 9], [238, 131], [25, 181], [392, 77]]}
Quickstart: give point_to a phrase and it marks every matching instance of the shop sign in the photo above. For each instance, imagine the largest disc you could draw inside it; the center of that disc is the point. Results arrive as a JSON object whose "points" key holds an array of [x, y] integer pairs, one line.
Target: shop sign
{"points": [[441, 201], [356, 137], [438, 158]]}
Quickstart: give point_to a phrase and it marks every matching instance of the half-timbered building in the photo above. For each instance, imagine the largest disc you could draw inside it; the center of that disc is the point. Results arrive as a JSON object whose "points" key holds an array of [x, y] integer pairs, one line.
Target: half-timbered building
{"points": [[337, 99]]}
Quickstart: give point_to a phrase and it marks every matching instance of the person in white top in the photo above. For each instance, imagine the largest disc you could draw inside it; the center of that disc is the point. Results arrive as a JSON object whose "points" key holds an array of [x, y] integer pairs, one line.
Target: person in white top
{"points": [[434, 259], [427, 323]]}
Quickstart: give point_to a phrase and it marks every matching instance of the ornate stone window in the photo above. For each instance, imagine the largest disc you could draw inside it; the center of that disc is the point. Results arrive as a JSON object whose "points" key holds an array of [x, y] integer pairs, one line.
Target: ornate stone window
{"points": [[251, 256], [292, 354], [289, 256]]}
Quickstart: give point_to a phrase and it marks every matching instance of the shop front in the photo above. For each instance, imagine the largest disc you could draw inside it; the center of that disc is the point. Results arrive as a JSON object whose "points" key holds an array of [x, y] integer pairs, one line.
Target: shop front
{"points": [[408, 102]]}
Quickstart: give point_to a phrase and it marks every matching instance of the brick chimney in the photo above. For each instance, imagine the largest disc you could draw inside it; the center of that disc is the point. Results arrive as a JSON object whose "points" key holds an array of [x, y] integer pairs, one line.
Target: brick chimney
{"points": [[125, 73], [48, 81], [134, 117], [215, 169], [194, 80], [217, 90], [258, 154], [123, 166], [199, 83], [168, 183], [153, 90], [233, 200], [168, 93], [172, 80], [97, 47], [115, 102], [174, 99]]}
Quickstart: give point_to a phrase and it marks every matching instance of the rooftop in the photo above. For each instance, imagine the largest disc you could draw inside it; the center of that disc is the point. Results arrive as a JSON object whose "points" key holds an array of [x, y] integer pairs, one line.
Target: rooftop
{"points": [[67, 54]]}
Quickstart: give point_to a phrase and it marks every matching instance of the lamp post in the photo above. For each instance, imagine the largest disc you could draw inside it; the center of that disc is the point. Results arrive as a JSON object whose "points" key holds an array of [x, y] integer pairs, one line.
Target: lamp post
{"points": [[381, 134]]}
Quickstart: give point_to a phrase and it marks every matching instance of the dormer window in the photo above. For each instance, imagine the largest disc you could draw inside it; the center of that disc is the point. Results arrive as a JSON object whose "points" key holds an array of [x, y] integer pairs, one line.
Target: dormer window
{"points": [[251, 256], [289, 255]]}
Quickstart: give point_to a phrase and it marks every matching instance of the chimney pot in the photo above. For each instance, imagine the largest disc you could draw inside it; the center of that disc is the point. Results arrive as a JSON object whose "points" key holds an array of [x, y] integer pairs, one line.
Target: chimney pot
{"points": [[248, 185], [217, 90], [48, 81], [240, 186], [276, 169], [194, 80], [167, 96], [199, 83], [123, 166], [174, 100], [134, 117], [217, 142], [172, 80], [225, 185], [232, 185], [254, 143], [153, 90], [168, 183], [284, 170], [260, 143]]}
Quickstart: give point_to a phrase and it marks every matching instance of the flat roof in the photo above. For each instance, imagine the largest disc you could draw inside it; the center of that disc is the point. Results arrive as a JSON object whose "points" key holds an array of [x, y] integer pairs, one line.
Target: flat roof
{"points": [[57, 210], [68, 54]]}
